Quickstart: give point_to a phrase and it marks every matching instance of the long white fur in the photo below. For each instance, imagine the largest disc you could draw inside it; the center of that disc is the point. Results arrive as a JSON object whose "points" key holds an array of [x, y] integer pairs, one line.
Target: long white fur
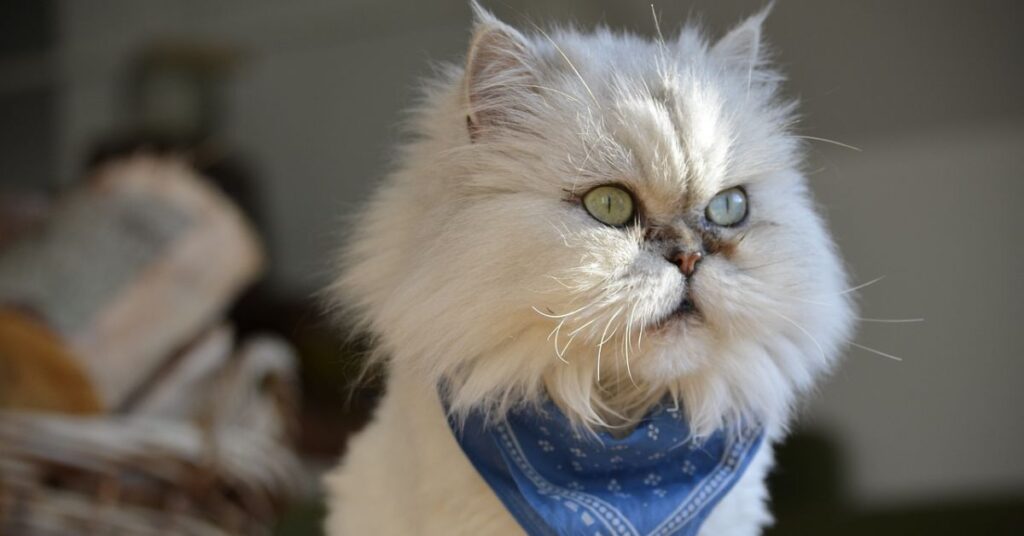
{"points": [[473, 268]]}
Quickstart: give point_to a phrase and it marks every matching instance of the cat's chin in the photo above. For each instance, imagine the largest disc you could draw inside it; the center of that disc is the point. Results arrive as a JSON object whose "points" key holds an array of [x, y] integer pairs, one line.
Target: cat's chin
{"points": [[681, 348], [681, 343]]}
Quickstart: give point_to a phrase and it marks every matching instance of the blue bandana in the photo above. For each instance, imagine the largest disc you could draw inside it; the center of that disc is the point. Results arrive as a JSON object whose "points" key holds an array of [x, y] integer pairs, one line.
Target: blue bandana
{"points": [[655, 481]]}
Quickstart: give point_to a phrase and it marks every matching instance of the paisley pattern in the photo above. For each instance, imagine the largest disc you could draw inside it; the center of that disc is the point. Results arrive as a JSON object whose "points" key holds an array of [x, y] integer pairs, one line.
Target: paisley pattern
{"points": [[556, 480]]}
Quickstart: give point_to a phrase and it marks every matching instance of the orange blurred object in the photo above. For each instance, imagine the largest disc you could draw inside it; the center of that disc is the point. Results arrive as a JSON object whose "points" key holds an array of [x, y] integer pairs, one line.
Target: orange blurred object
{"points": [[38, 372]]}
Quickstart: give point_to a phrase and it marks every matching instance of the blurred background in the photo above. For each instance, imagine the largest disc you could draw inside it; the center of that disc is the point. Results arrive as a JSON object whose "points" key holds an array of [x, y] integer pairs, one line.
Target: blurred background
{"points": [[291, 110]]}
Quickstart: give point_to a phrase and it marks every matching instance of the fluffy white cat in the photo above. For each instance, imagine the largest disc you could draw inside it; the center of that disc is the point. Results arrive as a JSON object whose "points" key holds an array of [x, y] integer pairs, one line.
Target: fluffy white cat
{"points": [[595, 217]]}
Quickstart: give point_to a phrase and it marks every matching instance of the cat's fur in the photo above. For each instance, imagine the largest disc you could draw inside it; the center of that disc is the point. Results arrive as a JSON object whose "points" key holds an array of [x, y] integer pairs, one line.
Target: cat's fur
{"points": [[475, 265]]}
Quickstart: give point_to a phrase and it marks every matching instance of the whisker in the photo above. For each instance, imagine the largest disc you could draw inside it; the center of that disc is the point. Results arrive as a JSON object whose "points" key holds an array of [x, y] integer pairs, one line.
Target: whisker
{"points": [[750, 73], [626, 344], [556, 317], [605, 339], [579, 169], [752, 228], [877, 352], [555, 332], [891, 320], [862, 285], [833, 142], [657, 28], [560, 230], [640, 337], [561, 355], [577, 330], [865, 319], [808, 333], [630, 373], [558, 280], [600, 345], [629, 328], [767, 264], [568, 61], [558, 327], [553, 90], [812, 302], [743, 237]]}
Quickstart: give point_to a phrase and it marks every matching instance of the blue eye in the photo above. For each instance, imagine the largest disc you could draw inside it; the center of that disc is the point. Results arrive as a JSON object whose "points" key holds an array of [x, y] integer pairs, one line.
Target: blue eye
{"points": [[728, 207]]}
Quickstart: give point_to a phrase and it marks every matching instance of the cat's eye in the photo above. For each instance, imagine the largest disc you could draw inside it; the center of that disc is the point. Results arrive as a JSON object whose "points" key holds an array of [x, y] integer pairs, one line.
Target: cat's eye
{"points": [[728, 207], [610, 205]]}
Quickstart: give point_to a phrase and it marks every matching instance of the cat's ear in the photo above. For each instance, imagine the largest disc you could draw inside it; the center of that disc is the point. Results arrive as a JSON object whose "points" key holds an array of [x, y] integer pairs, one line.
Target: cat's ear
{"points": [[742, 46], [498, 72]]}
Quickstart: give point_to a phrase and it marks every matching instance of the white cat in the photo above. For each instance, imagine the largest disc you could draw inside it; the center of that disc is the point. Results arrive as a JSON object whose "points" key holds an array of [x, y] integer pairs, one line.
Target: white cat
{"points": [[599, 219]]}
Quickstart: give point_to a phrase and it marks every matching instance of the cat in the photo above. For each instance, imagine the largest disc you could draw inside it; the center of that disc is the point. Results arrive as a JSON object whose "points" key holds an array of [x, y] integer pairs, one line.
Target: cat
{"points": [[601, 221]]}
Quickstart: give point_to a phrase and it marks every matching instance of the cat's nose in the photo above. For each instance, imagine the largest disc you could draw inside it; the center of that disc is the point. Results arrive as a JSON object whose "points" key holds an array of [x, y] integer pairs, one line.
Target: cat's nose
{"points": [[686, 261]]}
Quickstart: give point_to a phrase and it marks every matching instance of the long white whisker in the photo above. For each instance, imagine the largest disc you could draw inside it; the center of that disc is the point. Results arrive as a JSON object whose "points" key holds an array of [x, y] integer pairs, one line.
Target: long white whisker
{"points": [[640, 337], [862, 285], [556, 317], [577, 330], [657, 25], [561, 355], [877, 352], [833, 142], [801, 328], [661, 38], [812, 302], [600, 345], [555, 332], [626, 343], [605, 336], [559, 281], [891, 320], [629, 372], [629, 328]]}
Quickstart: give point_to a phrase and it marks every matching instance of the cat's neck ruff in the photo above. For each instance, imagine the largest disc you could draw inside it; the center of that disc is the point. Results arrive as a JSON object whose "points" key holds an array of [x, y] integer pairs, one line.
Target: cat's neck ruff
{"points": [[556, 478]]}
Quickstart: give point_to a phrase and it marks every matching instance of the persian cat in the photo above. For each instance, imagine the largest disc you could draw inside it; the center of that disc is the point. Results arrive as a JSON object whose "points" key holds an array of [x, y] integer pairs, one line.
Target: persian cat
{"points": [[592, 224]]}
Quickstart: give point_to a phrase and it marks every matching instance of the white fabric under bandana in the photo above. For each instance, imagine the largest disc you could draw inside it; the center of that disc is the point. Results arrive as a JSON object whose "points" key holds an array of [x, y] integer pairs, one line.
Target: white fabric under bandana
{"points": [[655, 481]]}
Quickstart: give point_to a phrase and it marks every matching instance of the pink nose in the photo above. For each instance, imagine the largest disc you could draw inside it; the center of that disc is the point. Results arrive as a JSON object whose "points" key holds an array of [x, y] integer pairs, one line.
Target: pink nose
{"points": [[687, 261]]}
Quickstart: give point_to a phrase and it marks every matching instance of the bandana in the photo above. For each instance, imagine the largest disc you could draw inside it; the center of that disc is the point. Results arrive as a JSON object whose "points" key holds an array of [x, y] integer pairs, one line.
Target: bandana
{"points": [[555, 480]]}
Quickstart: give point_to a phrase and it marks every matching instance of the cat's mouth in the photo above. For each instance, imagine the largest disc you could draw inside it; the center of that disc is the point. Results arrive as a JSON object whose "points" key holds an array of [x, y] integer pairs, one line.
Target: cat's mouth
{"points": [[687, 309]]}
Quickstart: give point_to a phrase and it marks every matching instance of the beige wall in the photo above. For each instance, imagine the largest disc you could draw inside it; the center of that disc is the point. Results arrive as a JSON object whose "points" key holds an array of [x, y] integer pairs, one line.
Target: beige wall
{"points": [[934, 211]]}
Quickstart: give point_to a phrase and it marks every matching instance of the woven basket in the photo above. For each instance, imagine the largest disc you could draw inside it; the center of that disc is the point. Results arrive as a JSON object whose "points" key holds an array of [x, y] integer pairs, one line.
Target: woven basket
{"points": [[217, 464]]}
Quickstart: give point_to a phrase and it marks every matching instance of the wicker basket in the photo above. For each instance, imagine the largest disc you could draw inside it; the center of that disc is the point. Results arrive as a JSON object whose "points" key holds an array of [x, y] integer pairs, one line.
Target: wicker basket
{"points": [[212, 460]]}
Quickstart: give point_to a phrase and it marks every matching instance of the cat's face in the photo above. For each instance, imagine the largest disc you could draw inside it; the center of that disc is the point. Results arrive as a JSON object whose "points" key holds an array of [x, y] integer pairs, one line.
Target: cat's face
{"points": [[609, 218]]}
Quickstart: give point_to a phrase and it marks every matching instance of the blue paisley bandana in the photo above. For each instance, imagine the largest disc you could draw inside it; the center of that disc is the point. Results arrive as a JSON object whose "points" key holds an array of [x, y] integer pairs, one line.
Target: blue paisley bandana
{"points": [[557, 481]]}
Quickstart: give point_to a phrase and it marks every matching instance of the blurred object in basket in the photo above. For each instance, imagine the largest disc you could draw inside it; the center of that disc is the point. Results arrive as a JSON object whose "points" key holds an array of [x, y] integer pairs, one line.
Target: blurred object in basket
{"points": [[126, 404], [214, 460], [251, 387], [38, 372], [131, 266]]}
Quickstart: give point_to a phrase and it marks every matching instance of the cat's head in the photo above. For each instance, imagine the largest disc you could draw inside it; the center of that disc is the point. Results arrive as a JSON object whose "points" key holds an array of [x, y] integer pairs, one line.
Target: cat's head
{"points": [[608, 219]]}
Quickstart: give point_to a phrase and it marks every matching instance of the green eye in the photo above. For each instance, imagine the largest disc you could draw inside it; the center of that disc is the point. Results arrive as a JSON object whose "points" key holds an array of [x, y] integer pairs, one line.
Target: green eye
{"points": [[609, 205], [728, 207]]}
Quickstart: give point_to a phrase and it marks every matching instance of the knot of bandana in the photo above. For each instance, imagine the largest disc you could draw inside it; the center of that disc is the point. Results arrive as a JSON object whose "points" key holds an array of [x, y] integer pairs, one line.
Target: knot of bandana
{"points": [[556, 480]]}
